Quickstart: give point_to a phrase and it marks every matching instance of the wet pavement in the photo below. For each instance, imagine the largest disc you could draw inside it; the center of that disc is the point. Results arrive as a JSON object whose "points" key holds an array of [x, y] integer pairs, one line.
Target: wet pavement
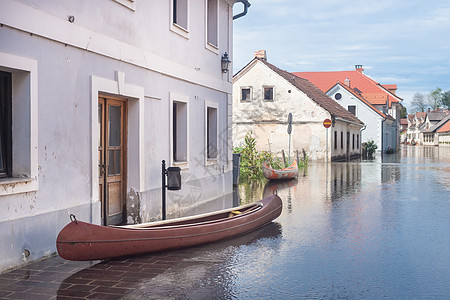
{"points": [[359, 230]]}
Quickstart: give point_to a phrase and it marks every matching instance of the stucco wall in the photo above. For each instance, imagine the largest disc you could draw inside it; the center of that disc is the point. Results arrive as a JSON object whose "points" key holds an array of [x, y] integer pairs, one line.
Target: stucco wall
{"points": [[112, 50], [268, 119]]}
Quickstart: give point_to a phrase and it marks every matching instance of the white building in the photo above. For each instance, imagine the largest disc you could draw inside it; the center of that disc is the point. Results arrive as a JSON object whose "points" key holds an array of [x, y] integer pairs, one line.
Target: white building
{"points": [[379, 127], [263, 97], [95, 94]]}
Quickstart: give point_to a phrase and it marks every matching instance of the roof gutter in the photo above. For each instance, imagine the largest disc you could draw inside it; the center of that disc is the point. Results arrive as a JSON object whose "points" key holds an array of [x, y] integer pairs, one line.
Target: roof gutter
{"points": [[246, 6]]}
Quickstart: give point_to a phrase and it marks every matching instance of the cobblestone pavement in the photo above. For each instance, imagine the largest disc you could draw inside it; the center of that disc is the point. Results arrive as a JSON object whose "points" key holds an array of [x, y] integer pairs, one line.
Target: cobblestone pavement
{"points": [[56, 278], [191, 273]]}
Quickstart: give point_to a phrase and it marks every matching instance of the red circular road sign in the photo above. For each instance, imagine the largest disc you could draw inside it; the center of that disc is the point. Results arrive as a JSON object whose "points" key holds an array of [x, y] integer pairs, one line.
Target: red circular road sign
{"points": [[327, 123]]}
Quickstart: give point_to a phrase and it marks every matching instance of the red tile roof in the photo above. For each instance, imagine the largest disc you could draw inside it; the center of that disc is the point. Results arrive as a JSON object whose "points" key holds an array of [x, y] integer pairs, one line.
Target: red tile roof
{"points": [[361, 98], [315, 94], [370, 89], [445, 128]]}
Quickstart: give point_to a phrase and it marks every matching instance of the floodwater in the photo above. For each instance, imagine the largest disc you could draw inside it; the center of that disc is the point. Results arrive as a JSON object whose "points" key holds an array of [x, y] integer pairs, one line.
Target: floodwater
{"points": [[362, 230], [358, 230]]}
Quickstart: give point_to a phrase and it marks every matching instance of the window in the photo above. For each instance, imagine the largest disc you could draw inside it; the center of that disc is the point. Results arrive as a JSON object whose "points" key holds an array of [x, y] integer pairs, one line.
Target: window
{"points": [[352, 109], [212, 21], [18, 124], [5, 124], [179, 16], [268, 93], [357, 141], [338, 96], [342, 140], [179, 130], [335, 140], [179, 140], [246, 94], [211, 132], [353, 141]]}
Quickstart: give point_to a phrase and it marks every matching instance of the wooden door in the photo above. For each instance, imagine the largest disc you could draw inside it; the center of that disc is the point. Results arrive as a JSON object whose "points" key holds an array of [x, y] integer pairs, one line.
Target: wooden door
{"points": [[112, 157]]}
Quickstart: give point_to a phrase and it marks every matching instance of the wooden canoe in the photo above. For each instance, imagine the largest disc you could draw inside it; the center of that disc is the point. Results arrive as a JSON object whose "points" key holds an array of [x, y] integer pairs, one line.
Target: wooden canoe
{"points": [[84, 241], [281, 174]]}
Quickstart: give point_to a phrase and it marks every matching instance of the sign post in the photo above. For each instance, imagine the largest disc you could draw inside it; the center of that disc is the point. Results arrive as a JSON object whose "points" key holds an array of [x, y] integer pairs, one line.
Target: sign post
{"points": [[327, 124], [289, 130]]}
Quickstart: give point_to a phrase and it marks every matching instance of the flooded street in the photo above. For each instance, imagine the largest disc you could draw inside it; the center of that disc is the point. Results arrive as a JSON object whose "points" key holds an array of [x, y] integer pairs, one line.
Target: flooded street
{"points": [[359, 230], [363, 230]]}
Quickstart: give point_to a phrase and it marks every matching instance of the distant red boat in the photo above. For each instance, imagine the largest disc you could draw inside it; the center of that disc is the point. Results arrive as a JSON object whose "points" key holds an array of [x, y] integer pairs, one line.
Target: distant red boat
{"points": [[280, 174], [83, 241]]}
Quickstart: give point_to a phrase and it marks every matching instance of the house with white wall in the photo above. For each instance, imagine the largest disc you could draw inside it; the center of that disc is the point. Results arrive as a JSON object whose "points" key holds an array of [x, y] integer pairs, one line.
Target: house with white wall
{"points": [[379, 127], [95, 95], [263, 97], [382, 96]]}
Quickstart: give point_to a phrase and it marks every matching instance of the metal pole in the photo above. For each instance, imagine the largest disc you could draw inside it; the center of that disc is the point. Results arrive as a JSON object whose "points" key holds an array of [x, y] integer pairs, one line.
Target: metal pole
{"points": [[327, 143], [163, 190], [289, 152]]}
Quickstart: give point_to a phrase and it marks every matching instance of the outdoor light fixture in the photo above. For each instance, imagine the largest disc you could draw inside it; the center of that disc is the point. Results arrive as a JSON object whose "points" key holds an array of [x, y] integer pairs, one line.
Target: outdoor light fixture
{"points": [[173, 183], [225, 63]]}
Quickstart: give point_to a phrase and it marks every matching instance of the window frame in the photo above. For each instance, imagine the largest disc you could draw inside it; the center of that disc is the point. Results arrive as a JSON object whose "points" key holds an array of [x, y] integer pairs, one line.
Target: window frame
{"points": [[177, 27], [178, 98], [24, 169], [131, 4], [353, 107], [211, 160], [250, 96], [208, 45], [264, 92]]}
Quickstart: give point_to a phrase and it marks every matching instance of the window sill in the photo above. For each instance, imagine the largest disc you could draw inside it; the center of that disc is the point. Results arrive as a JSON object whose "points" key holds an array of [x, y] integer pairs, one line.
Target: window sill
{"points": [[183, 165], [212, 161], [174, 27], [214, 49], [10, 186]]}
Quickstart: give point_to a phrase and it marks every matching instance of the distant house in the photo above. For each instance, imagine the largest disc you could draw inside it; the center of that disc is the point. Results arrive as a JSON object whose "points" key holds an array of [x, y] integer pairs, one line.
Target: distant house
{"points": [[379, 127], [444, 132], [382, 97], [263, 97], [416, 123], [403, 130], [435, 121], [94, 95], [423, 127]]}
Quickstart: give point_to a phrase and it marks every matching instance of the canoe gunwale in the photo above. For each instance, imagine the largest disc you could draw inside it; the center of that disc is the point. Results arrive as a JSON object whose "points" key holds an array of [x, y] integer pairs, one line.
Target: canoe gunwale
{"points": [[160, 224]]}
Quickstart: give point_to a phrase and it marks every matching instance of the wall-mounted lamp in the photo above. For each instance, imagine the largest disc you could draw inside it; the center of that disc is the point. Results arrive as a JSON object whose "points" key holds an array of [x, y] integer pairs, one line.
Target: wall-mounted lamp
{"points": [[173, 183], [225, 63]]}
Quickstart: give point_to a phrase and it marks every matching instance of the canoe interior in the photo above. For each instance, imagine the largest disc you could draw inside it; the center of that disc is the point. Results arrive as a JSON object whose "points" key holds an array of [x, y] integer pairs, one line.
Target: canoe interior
{"points": [[198, 219]]}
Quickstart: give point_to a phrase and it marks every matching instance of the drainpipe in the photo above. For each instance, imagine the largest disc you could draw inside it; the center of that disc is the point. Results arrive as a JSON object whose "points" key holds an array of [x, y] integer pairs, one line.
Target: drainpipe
{"points": [[246, 6]]}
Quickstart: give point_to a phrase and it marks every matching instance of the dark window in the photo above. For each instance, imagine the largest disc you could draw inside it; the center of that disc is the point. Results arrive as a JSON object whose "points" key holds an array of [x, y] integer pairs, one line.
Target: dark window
{"points": [[342, 140], [211, 132], [335, 140], [357, 141], [245, 95], [268, 93], [338, 96], [352, 109], [179, 16], [353, 142], [5, 124]]}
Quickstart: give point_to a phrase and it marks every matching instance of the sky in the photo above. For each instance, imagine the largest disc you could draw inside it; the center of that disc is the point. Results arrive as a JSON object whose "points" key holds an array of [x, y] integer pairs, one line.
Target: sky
{"points": [[398, 42]]}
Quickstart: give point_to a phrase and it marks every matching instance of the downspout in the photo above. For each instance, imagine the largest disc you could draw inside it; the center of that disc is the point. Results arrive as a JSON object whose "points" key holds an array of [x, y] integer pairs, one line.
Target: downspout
{"points": [[246, 6], [382, 135]]}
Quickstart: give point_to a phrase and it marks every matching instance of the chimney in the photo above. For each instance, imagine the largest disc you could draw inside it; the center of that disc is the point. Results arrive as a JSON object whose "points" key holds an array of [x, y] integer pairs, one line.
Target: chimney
{"points": [[359, 68], [261, 54], [347, 82]]}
